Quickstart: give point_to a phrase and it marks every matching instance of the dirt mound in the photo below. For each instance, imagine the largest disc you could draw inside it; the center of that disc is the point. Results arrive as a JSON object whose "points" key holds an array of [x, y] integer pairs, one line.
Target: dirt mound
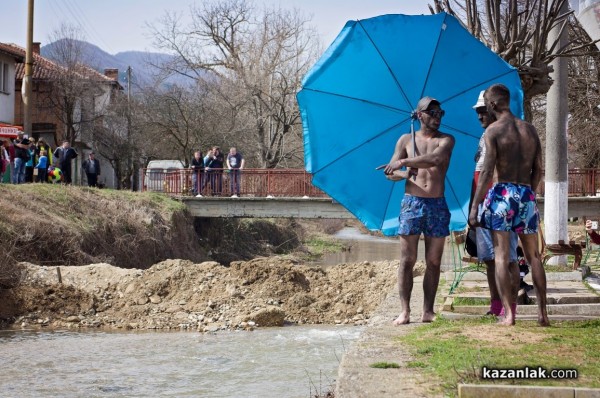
{"points": [[127, 236], [206, 296]]}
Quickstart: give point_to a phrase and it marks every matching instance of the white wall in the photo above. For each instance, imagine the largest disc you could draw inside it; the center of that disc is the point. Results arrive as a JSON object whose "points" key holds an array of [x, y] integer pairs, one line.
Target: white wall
{"points": [[7, 97]]}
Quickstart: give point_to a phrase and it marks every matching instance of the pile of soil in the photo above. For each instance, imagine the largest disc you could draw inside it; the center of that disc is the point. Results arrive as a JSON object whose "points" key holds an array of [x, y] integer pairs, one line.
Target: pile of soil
{"points": [[180, 294], [114, 251]]}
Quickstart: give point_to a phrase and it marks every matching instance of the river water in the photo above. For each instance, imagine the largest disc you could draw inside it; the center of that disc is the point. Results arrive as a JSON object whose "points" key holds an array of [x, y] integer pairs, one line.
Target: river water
{"points": [[286, 362], [272, 362], [363, 247]]}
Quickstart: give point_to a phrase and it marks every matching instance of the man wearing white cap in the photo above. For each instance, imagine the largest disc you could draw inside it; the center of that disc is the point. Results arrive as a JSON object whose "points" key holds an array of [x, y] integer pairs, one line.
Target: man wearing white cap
{"points": [[485, 244], [514, 153], [426, 156]]}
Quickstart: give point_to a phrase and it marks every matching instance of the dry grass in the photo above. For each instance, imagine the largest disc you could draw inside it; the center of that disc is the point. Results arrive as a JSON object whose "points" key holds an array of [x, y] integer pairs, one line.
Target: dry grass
{"points": [[66, 225]]}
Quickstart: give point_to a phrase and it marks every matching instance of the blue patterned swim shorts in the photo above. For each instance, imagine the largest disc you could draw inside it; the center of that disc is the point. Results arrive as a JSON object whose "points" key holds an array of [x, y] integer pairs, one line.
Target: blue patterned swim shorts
{"points": [[510, 207], [429, 216]]}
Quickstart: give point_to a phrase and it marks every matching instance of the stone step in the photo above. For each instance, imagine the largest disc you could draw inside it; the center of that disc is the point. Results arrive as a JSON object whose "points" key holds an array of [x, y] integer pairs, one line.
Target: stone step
{"points": [[521, 317], [579, 310], [550, 276]]}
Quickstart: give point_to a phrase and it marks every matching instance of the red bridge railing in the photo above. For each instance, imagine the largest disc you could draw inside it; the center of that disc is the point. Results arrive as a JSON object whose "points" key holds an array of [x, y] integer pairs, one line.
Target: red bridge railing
{"points": [[294, 182], [217, 182], [582, 182]]}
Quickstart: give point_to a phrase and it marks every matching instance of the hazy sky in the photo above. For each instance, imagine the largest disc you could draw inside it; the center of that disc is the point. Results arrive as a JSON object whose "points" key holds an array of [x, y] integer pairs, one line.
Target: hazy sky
{"points": [[120, 25]]}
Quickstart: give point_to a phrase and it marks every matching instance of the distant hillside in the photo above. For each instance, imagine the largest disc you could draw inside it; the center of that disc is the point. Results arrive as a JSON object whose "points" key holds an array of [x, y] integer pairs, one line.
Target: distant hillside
{"points": [[140, 61]]}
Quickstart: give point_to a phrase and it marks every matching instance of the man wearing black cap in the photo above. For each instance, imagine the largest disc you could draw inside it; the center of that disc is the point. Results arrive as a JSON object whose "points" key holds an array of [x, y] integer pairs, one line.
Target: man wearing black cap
{"points": [[426, 157], [91, 166]]}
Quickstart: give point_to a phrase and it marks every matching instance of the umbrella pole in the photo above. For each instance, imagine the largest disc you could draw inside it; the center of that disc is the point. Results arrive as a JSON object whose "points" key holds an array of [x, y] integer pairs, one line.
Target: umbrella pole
{"points": [[414, 142]]}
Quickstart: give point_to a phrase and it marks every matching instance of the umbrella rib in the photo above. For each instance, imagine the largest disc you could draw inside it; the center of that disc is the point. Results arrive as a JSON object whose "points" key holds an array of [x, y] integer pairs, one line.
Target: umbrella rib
{"points": [[360, 145], [380, 105], [386, 64], [456, 197], [494, 78]]}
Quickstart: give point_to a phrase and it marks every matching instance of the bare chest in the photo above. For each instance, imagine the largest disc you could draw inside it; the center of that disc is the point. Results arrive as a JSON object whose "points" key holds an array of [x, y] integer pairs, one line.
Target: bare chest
{"points": [[423, 146]]}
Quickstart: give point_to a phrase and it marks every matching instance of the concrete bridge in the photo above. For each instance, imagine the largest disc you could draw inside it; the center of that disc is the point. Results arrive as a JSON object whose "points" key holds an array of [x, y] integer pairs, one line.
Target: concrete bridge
{"points": [[298, 207]]}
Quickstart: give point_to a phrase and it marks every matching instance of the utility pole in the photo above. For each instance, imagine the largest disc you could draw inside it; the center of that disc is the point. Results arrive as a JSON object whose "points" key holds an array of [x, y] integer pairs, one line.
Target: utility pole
{"points": [[556, 205], [132, 162], [26, 89]]}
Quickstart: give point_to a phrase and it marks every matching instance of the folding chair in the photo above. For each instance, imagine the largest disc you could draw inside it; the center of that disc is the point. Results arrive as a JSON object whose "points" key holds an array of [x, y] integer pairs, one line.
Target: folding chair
{"points": [[460, 258], [592, 251]]}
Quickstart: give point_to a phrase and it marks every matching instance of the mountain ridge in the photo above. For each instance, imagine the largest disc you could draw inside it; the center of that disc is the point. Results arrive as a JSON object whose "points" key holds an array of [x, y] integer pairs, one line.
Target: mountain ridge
{"points": [[142, 71]]}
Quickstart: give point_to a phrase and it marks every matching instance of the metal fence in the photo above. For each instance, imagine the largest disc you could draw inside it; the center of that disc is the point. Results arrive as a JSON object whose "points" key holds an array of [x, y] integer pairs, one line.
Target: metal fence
{"points": [[582, 182], [218, 182], [293, 182]]}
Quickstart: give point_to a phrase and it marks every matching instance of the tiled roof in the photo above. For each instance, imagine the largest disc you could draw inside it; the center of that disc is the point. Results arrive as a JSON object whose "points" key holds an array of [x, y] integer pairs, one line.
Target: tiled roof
{"points": [[45, 69], [8, 50]]}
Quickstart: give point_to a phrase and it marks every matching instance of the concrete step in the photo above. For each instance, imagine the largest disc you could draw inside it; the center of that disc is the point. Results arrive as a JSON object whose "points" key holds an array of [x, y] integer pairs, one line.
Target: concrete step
{"points": [[550, 276], [583, 310], [521, 317]]}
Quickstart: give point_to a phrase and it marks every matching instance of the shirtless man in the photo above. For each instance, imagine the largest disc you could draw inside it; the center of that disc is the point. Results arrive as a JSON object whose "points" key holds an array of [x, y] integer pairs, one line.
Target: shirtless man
{"points": [[424, 209], [485, 244], [513, 149]]}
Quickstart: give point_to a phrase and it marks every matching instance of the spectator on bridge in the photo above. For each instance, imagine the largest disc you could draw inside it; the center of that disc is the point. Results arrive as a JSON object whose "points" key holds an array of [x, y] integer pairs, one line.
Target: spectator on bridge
{"points": [[235, 162], [214, 169], [197, 166], [593, 234]]}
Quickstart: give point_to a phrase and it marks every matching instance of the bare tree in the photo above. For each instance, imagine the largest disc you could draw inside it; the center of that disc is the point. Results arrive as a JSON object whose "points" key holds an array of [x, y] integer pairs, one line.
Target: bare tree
{"points": [[518, 31], [76, 88], [177, 121], [584, 117], [256, 61]]}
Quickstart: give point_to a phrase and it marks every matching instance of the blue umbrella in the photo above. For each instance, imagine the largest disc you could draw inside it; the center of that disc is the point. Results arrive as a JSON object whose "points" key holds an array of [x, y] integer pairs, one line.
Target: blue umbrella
{"points": [[357, 100]]}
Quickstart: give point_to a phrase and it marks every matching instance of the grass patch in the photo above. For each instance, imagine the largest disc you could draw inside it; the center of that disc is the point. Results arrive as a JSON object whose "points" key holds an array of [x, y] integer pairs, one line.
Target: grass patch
{"points": [[320, 244], [463, 289], [470, 301], [561, 268], [455, 351], [384, 365]]}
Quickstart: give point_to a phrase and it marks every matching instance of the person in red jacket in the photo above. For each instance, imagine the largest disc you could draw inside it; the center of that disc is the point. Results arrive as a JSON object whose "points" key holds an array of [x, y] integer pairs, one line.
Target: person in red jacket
{"points": [[594, 237]]}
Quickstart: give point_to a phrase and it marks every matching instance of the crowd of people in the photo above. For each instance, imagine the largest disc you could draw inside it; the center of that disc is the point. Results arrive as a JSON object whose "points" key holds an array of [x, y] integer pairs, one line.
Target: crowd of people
{"points": [[207, 171], [28, 161], [25, 159]]}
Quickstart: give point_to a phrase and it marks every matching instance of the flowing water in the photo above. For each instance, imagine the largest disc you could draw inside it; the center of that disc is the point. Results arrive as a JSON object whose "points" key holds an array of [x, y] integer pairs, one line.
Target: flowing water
{"points": [[364, 247], [272, 362]]}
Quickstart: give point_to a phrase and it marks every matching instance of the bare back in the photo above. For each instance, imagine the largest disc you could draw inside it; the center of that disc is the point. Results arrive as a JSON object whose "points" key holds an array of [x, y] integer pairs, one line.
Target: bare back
{"points": [[513, 147]]}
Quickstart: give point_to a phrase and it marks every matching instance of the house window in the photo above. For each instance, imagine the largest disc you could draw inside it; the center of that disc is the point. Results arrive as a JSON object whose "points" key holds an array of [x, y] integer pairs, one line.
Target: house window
{"points": [[4, 86]]}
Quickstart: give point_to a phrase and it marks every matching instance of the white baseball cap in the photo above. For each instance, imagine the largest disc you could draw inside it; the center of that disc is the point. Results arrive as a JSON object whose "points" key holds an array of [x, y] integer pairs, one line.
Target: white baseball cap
{"points": [[480, 101]]}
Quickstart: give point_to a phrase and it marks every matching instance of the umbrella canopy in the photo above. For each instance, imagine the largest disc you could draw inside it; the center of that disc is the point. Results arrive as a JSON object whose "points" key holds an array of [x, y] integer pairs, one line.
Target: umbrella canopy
{"points": [[357, 100]]}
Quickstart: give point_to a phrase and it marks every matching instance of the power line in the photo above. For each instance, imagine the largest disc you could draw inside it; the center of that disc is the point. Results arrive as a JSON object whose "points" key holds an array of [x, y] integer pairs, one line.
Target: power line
{"points": [[90, 24], [68, 10]]}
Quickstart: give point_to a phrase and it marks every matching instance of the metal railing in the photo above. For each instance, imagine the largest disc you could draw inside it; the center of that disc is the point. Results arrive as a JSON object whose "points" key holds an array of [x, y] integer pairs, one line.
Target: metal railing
{"points": [[218, 182], [582, 182], [294, 182]]}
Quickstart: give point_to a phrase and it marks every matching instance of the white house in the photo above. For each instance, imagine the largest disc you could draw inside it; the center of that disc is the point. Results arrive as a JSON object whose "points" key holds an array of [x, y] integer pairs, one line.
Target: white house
{"points": [[8, 61]]}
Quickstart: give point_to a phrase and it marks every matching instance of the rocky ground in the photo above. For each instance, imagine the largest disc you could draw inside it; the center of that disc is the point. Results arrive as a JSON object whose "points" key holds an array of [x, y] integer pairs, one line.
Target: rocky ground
{"points": [[179, 294]]}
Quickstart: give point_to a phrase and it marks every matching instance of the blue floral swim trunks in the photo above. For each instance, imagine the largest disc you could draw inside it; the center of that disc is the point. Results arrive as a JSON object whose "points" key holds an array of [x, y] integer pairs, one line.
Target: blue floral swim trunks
{"points": [[429, 216], [510, 207]]}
